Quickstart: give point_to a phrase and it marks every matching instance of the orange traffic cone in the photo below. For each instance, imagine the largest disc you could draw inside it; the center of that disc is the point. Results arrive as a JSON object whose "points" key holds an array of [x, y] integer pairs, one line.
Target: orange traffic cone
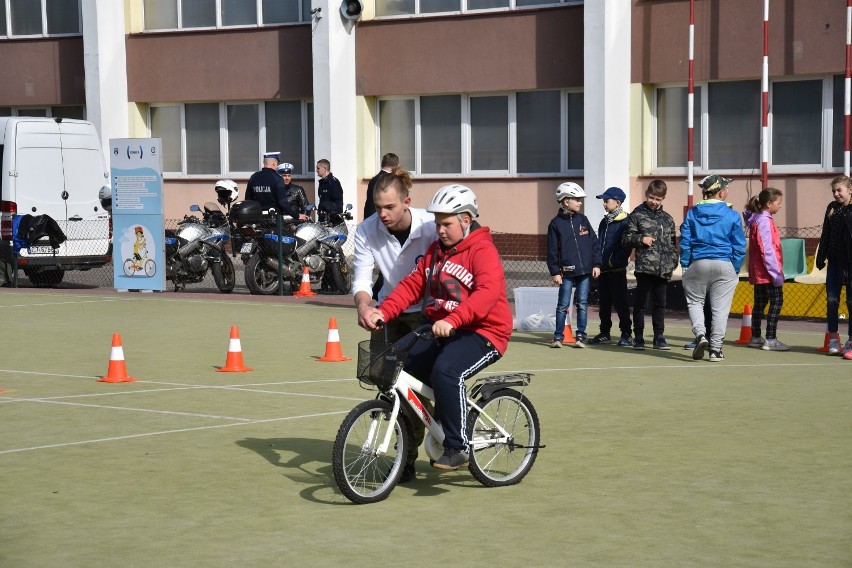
{"points": [[333, 353], [569, 335], [828, 337], [305, 288], [234, 362], [745, 328], [117, 371]]}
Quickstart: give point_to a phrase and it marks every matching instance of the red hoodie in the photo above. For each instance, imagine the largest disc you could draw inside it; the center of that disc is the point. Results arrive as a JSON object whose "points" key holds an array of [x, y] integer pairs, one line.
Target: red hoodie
{"points": [[467, 287]]}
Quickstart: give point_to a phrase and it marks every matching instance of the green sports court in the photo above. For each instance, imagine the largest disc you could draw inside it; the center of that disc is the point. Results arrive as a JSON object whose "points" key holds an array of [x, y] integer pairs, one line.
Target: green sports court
{"points": [[652, 459]]}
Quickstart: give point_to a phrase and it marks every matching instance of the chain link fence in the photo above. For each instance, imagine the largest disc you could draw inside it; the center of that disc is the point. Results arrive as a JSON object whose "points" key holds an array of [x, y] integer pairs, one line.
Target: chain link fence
{"points": [[523, 261]]}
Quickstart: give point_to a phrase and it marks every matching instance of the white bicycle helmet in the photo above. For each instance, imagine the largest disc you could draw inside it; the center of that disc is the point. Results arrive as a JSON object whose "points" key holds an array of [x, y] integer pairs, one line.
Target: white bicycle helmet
{"points": [[105, 195], [569, 189], [454, 198], [227, 191]]}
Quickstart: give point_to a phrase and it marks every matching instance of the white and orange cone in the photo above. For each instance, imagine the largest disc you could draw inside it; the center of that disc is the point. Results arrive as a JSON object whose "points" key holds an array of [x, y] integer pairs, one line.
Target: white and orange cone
{"points": [[745, 327], [333, 352], [117, 370], [234, 361], [305, 288]]}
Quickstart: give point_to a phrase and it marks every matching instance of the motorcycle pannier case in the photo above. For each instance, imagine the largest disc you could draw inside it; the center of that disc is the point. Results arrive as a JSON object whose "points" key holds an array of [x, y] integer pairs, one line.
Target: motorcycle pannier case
{"points": [[246, 211]]}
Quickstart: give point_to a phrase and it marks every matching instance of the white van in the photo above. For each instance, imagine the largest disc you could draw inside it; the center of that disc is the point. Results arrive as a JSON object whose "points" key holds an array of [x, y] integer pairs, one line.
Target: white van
{"points": [[54, 167]]}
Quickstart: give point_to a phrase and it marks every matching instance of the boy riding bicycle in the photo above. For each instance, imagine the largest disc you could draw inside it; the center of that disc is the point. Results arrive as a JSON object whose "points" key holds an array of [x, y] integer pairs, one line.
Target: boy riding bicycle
{"points": [[461, 284]]}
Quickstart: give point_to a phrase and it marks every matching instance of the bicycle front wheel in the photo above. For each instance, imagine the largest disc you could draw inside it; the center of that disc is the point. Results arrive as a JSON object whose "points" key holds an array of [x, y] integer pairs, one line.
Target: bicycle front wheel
{"points": [[362, 474], [494, 459]]}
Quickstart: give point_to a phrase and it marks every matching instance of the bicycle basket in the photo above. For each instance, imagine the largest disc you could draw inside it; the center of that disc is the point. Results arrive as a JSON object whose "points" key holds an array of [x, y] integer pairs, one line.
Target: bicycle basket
{"points": [[379, 363]]}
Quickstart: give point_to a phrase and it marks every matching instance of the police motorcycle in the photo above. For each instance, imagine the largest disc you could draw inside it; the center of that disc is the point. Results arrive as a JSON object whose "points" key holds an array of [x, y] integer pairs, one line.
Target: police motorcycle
{"points": [[317, 246], [199, 244]]}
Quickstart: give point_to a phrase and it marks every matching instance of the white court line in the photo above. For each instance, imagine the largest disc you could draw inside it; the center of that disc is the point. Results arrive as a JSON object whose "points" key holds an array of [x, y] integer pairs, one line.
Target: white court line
{"points": [[64, 303], [104, 407], [695, 366], [161, 433]]}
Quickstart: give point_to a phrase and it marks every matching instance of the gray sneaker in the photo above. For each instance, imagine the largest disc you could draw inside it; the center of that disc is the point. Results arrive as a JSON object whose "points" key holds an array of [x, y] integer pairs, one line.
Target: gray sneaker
{"points": [[834, 346], [452, 459], [773, 345], [580, 341], [701, 345], [758, 343], [555, 344], [716, 356], [625, 342]]}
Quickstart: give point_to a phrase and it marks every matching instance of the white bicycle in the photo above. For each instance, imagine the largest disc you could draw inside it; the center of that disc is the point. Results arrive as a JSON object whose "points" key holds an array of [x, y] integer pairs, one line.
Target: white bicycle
{"points": [[371, 444]]}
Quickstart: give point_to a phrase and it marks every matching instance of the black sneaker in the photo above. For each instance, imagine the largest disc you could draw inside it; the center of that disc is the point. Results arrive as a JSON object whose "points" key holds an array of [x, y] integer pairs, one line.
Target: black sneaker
{"points": [[701, 344], [639, 344], [408, 473], [452, 459], [625, 342], [716, 356], [600, 339], [660, 343]]}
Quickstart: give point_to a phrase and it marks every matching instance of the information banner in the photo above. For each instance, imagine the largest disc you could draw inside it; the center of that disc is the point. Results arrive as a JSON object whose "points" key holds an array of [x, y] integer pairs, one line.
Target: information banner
{"points": [[138, 230]]}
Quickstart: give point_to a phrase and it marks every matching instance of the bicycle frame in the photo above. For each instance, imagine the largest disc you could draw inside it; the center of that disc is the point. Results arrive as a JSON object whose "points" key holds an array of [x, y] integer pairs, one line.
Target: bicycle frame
{"points": [[405, 387]]}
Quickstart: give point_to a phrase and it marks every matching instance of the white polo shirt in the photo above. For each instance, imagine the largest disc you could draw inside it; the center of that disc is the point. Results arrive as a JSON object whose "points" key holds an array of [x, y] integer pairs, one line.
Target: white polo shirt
{"points": [[375, 246]]}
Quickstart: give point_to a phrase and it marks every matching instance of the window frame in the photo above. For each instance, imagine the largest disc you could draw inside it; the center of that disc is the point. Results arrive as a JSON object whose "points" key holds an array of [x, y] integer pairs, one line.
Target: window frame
{"points": [[224, 157], [463, 9], [465, 127], [7, 34], [702, 102], [259, 23]]}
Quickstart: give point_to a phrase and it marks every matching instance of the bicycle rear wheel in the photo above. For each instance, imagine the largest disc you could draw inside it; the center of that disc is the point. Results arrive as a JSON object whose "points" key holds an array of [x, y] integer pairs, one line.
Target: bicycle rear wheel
{"points": [[495, 461], [361, 474]]}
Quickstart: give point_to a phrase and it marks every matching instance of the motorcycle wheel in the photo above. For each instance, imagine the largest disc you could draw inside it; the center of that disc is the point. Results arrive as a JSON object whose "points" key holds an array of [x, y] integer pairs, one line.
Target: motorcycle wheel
{"points": [[260, 279], [341, 276], [224, 274]]}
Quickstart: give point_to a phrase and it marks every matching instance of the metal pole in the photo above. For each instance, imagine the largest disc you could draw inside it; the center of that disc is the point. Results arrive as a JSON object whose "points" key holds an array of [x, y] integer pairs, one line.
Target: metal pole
{"points": [[279, 230], [764, 134], [847, 88], [690, 145]]}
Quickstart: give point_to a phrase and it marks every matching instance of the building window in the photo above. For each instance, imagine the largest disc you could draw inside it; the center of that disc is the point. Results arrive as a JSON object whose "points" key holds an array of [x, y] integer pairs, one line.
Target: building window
{"points": [[672, 127], [796, 122], [68, 111], [523, 133], [40, 17], [216, 139], [419, 7], [489, 133], [187, 14]]}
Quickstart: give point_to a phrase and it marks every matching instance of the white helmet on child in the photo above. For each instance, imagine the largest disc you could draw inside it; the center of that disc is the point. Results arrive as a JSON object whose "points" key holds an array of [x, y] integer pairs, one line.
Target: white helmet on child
{"points": [[569, 189], [454, 198]]}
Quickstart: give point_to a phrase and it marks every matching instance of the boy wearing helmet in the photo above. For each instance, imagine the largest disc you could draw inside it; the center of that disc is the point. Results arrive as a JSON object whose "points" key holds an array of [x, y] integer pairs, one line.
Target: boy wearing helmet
{"points": [[573, 255], [462, 287], [651, 231]]}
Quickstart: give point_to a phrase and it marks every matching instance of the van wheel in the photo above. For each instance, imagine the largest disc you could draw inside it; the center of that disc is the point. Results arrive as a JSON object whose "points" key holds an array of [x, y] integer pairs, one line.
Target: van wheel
{"points": [[45, 278]]}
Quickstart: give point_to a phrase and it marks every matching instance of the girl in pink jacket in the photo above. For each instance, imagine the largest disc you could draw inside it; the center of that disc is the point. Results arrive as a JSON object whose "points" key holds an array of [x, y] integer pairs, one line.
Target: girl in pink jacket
{"points": [[765, 266]]}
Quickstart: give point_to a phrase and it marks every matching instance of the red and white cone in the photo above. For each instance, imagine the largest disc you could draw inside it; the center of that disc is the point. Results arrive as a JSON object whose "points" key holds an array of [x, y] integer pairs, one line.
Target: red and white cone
{"points": [[117, 370], [305, 288], [234, 361], [333, 352], [745, 328]]}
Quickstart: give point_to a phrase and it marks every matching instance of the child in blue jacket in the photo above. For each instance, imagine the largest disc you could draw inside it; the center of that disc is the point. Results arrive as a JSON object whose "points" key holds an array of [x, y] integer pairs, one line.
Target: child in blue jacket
{"points": [[573, 255], [612, 283]]}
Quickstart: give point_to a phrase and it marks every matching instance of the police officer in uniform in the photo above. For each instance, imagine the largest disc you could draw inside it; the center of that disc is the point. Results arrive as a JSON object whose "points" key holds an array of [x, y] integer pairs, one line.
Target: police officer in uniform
{"points": [[295, 194], [329, 190], [267, 188]]}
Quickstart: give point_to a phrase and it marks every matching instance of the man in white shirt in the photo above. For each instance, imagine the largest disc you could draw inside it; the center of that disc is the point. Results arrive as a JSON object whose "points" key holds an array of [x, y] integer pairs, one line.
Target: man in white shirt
{"points": [[394, 240]]}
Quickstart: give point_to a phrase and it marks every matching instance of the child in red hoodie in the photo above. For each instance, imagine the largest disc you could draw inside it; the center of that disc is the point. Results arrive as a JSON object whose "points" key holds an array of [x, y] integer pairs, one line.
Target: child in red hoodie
{"points": [[465, 298]]}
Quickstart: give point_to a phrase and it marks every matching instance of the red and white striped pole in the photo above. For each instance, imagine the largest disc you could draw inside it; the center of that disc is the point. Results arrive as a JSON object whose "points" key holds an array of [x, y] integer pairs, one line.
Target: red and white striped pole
{"points": [[764, 134], [690, 145], [847, 88]]}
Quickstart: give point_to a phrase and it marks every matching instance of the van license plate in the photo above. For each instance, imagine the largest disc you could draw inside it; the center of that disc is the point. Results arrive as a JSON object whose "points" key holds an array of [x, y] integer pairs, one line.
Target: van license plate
{"points": [[42, 249], [246, 248]]}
